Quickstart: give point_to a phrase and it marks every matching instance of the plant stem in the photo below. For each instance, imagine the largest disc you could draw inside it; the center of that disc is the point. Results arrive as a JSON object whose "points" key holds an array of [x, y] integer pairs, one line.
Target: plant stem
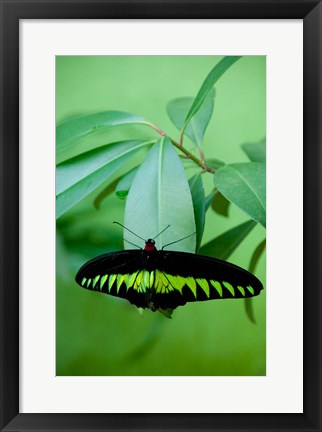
{"points": [[160, 131], [180, 147], [202, 165]]}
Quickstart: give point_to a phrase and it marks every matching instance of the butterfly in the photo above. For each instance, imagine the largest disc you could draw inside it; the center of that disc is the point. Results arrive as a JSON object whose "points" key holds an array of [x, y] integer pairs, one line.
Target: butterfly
{"points": [[164, 279]]}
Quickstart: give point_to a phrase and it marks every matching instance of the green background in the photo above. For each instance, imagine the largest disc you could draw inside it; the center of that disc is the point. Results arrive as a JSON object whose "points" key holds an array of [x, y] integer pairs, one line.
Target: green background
{"points": [[102, 335]]}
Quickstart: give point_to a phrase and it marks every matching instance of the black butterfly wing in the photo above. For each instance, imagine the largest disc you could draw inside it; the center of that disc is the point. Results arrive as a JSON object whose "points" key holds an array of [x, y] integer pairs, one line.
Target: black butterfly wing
{"points": [[115, 274], [166, 279], [198, 278]]}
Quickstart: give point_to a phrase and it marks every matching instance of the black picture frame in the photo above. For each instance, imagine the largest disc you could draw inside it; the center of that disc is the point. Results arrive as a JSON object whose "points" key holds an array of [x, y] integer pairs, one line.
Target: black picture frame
{"points": [[11, 12]]}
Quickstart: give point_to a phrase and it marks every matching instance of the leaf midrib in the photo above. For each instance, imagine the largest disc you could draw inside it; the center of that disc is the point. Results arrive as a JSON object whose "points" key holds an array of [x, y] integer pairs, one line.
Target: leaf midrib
{"points": [[160, 185]]}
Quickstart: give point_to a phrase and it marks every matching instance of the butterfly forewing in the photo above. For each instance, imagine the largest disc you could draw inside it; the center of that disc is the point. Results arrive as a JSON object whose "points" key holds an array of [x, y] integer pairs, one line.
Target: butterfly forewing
{"points": [[110, 274], [205, 278]]}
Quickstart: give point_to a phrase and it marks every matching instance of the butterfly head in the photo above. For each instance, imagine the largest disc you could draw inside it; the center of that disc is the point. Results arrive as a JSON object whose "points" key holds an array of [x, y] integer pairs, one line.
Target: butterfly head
{"points": [[150, 245]]}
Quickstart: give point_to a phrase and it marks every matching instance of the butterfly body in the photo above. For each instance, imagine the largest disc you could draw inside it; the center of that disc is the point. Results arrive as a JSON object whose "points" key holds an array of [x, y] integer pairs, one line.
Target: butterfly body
{"points": [[159, 279]]}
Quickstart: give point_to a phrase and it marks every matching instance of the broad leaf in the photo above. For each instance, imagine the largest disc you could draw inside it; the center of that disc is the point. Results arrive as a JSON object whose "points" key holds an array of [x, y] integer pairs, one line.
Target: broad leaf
{"points": [[220, 204], [207, 85], [256, 151], [160, 196], [72, 130], [178, 110], [199, 208], [124, 184], [223, 246], [244, 185], [77, 177], [252, 266]]}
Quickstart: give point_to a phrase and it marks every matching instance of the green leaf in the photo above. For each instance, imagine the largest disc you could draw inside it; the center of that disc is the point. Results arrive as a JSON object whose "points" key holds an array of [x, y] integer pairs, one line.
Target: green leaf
{"points": [[178, 110], [220, 204], [64, 272], [153, 333], [105, 193], [124, 184], [199, 208], [166, 312], [244, 185], [120, 185], [77, 177], [223, 246], [72, 130], [256, 151], [209, 198], [256, 256], [160, 196], [207, 85], [252, 266], [250, 310], [215, 163]]}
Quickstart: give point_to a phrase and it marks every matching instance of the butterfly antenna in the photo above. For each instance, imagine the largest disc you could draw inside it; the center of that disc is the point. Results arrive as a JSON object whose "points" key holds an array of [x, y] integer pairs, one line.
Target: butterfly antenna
{"points": [[161, 232], [133, 244], [118, 223], [176, 241]]}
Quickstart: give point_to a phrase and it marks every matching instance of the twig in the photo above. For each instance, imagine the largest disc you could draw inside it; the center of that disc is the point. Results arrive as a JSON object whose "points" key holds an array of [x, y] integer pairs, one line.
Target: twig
{"points": [[202, 165]]}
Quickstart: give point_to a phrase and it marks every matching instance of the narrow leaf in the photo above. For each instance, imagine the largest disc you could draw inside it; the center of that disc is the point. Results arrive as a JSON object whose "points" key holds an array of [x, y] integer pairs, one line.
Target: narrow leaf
{"points": [[150, 340], [166, 312], [160, 196], [256, 256], [207, 85], [124, 184], [72, 130], [77, 177], [105, 193], [199, 208], [250, 310], [220, 204], [252, 266], [256, 151], [223, 246], [215, 163], [119, 185], [244, 185], [178, 110], [209, 198]]}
